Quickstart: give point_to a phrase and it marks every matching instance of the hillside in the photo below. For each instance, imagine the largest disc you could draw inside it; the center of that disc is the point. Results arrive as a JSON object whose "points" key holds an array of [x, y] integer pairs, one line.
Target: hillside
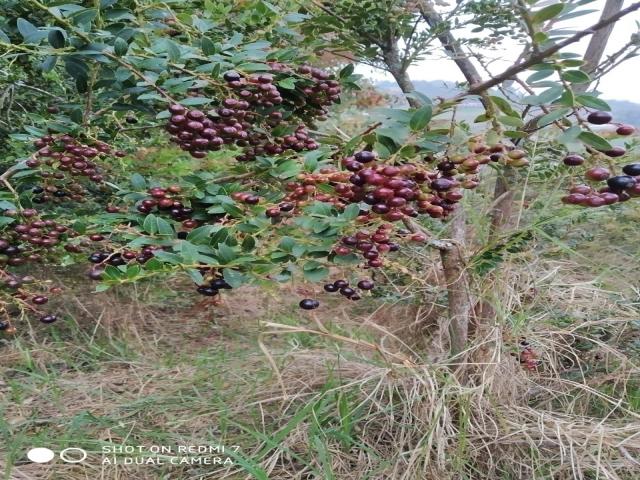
{"points": [[624, 111]]}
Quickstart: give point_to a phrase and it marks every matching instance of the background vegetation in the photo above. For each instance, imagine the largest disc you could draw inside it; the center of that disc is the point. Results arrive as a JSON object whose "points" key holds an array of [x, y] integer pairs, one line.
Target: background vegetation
{"points": [[502, 345]]}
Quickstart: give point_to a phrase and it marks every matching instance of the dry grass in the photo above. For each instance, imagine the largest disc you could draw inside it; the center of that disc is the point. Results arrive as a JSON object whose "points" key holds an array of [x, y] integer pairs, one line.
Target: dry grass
{"points": [[354, 397]]}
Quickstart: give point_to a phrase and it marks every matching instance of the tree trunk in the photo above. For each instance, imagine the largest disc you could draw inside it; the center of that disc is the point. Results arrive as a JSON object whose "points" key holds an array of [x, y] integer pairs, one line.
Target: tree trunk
{"points": [[450, 44], [399, 71], [458, 297], [599, 40], [453, 264]]}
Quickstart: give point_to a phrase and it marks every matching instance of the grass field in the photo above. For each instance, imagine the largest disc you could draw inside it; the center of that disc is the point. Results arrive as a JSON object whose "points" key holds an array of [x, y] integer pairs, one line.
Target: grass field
{"points": [[355, 392]]}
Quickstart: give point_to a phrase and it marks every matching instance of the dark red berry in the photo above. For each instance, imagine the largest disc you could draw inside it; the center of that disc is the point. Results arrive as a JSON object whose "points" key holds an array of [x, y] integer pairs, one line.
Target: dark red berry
{"points": [[599, 118], [48, 318], [573, 160], [39, 299]]}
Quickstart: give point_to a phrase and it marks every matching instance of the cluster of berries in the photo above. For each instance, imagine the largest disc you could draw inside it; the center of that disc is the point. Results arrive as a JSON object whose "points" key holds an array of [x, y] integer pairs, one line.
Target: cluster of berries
{"points": [[18, 288], [250, 117], [64, 156], [620, 188], [370, 246], [31, 238]]}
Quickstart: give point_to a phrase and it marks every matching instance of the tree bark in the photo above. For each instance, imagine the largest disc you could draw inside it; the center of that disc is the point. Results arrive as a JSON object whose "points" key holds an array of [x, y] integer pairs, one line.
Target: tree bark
{"points": [[450, 44], [396, 68], [453, 263], [458, 297], [599, 40]]}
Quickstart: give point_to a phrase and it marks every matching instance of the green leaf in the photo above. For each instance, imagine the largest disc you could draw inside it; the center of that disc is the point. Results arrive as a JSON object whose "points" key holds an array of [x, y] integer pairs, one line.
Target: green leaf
{"points": [[351, 212], [150, 224], [552, 116], [315, 274], [48, 63], [347, 71], [138, 182], [200, 235], [120, 47], [226, 254], [234, 278], [254, 67], [545, 97], [85, 16], [504, 106], [168, 257], [4, 37], [575, 76], [592, 102], [420, 118], [26, 28], [547, 13], [594, 140], [164, 227], [541, 75], [570, 135], [289, 83], [191, 101], [208, 47], [6, 221], [419, 97], [196, 276], [173, 50], [248, 244], [511, 121], [56, 38]]}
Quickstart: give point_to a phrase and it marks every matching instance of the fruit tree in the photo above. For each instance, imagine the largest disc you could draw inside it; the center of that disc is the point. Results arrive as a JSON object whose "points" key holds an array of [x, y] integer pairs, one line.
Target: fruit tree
{"points": [[260, 188]]}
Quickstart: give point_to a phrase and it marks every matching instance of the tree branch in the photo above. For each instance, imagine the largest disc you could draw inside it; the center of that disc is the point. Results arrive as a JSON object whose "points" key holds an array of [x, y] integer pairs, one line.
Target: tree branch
{"points": [[540, 56]]}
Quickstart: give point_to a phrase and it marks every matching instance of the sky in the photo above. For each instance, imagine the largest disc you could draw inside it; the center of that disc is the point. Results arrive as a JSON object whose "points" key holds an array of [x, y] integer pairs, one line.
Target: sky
{"points": [[620, 84]]}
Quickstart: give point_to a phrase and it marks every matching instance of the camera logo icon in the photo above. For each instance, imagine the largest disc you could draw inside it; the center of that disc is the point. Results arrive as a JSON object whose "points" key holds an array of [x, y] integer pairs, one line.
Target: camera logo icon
{"points": [[68, 455]]}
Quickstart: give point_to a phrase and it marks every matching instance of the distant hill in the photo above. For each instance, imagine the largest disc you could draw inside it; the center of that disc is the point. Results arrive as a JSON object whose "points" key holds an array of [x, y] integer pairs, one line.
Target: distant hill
{"points": [[623, 111]]}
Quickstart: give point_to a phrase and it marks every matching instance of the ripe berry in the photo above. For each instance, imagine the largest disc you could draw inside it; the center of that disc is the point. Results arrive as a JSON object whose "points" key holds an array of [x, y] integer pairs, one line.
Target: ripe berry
{"points": [[95, 274], [207, 291], [595, 201], [625, 130], [418, 237], [330, 287], [597, 174], [573, 160], [441, 184], [621, 182], [220, 283], [341, 283], [365, 156], [96, 237], [309, 304], [365, 285], [4, 325], [574, 199], [272, 212], [347, 291], [48, 318], [232, 76], [615, 152], [632, 169], [39, 299], [599, 118], [609, 198]]}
